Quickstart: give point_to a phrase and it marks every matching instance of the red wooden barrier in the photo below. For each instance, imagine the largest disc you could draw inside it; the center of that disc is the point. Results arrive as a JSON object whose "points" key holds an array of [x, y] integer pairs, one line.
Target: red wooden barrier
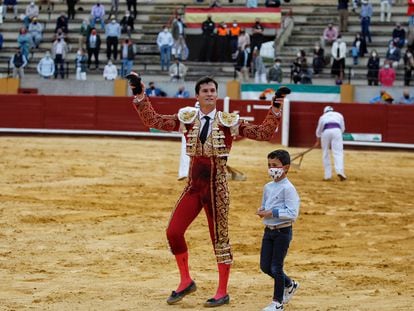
{"points": [[393, 122]]}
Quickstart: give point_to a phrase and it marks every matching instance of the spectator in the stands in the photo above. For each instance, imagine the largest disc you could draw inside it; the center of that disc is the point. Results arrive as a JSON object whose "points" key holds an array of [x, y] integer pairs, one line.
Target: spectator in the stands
{"points": [[243, 63], [132, 7], [7, 4], [36, 31], [243, 40], [152, 91], [24, 41], [84, 31], [93, 46], [251, 4], [71, 8], [318, 61], [359, 48], [32, 10], [257, 37], [177, 70], [386, 75], [114, 8], [234, 33], [182, 92], [386, 8], [272, 3], [206, 51], [343, 15], [17, 62], [46, 66], [98, 15], [59, 52], [373, 66], [1, 41], [408, 66], [214, 4], [222, 42], [62, 24], [366, 15], [295, 67], [127, 56], [113, 34], [330, 34], [398, 35], [110, 71], [80, 64], [393, 54], [127, 24], [259, 68], [275, 74], [338, 53], [165, 42], [178, 33], [410, 13], [406, 99]]}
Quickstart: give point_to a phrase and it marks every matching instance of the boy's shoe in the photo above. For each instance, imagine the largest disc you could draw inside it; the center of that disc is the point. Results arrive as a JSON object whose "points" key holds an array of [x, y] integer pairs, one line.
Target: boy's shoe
{"points": [[290, 291], [274, 306]]}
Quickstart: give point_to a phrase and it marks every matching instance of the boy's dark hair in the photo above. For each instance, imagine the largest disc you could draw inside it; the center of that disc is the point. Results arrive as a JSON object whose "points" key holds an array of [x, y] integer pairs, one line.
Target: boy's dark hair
{"points": [[280, 154], [205, 80]]}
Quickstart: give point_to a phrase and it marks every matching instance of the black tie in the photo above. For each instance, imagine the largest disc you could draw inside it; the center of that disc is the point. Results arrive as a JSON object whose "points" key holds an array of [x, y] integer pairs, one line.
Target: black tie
{"points": [[204, 130]]}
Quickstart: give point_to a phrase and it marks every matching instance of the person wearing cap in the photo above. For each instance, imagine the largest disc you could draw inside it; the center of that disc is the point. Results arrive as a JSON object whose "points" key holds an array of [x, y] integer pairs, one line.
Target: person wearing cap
{"points": [[329, 131]]}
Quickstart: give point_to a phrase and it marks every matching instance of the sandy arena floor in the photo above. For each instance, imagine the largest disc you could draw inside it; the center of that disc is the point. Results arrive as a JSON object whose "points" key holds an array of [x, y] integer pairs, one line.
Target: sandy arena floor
{"points": [[82, 227]]}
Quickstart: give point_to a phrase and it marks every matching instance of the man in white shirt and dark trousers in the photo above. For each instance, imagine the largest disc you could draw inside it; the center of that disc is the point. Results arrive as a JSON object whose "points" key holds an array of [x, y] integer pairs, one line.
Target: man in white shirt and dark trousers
{"points": [[329, 131], [279, 209]]}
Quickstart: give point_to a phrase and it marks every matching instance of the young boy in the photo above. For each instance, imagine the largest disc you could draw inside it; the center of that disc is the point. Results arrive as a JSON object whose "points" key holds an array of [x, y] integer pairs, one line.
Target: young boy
{"points": [[280, 208]]}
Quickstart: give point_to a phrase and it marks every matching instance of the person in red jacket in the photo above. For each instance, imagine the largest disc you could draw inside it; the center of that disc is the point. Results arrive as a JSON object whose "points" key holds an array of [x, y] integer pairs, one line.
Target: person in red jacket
{"points": [[410, 12], [386, 75], [209, 135]]}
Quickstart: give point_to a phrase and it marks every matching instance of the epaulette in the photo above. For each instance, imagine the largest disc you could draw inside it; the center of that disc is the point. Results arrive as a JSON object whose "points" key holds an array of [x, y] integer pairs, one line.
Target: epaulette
{"points": [[228, 119], [187, 115]]}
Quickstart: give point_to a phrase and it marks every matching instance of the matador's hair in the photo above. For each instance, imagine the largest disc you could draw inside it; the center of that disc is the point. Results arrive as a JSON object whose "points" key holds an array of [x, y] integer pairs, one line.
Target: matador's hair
{"points": [[204, 80]]}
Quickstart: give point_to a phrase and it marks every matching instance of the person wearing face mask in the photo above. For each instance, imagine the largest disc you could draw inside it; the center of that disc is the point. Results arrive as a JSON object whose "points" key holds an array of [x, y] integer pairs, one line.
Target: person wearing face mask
{"points": [[127, 56], [178, 33], [338, 53], [406, 99], [234, 33], [152, 91], [279, 210], [275, 74], [59, 51], [165, 41], [46, 66], [127, 24], [329, 131], [62, 23], [208, 36], [32, 10], [93, 46], [36, 31], [398, 35], [373, 66], [110, 71], [386, 75], [365, 16], [359, 48], [330, 34], [408, 66], [243, 64], [257, 35], [112, 33], [393, 54], [98, 14], [80, 64], [318, 61]]}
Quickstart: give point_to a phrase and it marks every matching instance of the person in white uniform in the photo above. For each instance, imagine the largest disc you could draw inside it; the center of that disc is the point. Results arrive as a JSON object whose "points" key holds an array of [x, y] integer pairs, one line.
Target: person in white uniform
{"points": [[331, 125]]}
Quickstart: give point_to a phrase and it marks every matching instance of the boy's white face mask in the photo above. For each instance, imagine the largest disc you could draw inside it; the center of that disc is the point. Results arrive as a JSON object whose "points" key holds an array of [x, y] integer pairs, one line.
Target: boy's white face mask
{"points": [[276, 172]]}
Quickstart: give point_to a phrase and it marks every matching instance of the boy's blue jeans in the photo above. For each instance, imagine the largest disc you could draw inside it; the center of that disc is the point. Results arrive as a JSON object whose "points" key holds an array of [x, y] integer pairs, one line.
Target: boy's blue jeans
{"points": [[275, 245]]}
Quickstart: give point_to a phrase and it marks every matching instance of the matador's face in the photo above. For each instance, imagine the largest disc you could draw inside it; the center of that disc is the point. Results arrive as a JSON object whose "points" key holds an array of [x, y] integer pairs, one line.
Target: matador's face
{"points": [[207, 97]]}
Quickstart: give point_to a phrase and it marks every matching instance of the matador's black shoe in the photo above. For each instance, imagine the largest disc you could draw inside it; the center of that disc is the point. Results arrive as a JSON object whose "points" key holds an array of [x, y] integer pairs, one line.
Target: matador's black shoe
{"points": [[177, 296], [212, 302]]}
